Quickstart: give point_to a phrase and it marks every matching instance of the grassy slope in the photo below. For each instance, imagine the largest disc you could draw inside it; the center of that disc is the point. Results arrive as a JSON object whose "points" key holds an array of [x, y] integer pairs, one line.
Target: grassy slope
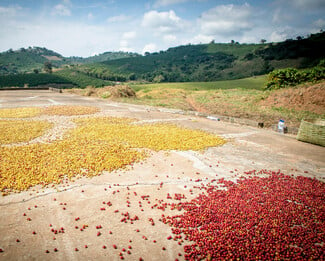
{"points": [[236, 98], [247, 83], [238, 50]]}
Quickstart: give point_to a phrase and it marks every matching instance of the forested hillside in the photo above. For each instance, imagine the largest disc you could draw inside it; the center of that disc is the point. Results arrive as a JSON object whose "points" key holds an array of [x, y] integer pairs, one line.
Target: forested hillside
{"points": [[101, 57], [202, 62], [32, 59], [215, 61], [27, 60]]}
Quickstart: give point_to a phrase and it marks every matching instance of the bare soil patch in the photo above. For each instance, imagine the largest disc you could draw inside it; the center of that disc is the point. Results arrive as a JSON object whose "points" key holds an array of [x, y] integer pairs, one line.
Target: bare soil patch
{"points": [[52, 58], [304, 98]]}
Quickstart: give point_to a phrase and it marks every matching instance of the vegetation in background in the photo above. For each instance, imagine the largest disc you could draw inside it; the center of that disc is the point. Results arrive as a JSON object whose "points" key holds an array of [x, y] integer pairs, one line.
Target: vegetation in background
{"points": [[244, 98], [48, 67], [214, 78], [247, 83], [215, 61], [311, 48], [81, 79], [101, 57], [100, 71], [290, 77], [189, 63], [31, 79], [67, 78], [26, 60]]}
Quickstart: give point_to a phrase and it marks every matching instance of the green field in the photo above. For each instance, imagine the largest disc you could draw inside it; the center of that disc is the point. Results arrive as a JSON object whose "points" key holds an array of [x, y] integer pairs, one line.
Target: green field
{"points": [[254, 83]]}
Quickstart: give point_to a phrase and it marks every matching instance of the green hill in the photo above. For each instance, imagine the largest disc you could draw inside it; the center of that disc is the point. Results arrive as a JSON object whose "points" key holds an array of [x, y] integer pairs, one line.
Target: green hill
{"points": [[33, 58], [215, 61], [65, 78], [28, 60], [188, 63], [106, 56]]}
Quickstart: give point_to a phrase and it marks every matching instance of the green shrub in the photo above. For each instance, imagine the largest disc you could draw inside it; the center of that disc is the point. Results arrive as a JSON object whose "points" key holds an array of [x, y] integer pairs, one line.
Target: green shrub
{"points": [[290, 77]]}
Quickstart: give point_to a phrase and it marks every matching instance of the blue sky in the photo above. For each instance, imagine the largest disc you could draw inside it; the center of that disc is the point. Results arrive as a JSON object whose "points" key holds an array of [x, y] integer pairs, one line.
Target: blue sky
{"points": [[84, 28]]}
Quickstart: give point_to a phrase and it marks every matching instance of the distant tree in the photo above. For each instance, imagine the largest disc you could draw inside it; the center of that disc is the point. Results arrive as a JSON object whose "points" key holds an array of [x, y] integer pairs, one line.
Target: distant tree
{"points": [[263, 41], [36, 71], [299, 38], [321, 63], [159, 78], [48, 67], [232, 41], [132, 77]]}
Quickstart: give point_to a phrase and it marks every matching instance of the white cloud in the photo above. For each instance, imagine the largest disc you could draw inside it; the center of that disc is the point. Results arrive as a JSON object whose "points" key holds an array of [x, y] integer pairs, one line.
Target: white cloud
{"points": [[124, 42], [320, 23], [118, 18], [200, 38], [226, 20], [153, 30], [170, 39], [60, 36], [124, 46], [295, 12], [151, 47], [61, 10], [129, 35], [278, 36], [162, 22]]}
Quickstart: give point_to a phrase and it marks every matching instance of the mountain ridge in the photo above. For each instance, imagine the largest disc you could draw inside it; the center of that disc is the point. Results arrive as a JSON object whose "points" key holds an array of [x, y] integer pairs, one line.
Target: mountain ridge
{"points": [[200, 62]]}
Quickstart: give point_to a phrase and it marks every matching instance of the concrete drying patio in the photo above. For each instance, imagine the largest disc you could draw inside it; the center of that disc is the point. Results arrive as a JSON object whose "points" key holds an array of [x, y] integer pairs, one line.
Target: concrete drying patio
{"points": [[78, 207]]}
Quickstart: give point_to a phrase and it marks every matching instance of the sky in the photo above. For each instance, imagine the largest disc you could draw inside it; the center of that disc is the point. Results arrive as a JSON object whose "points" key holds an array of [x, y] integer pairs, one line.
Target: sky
{"points": [[84, 28]]}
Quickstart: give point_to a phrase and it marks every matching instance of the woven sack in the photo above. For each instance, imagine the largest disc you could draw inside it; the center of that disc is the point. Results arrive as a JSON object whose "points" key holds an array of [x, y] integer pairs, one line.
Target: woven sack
{"points": [[312, 132]]}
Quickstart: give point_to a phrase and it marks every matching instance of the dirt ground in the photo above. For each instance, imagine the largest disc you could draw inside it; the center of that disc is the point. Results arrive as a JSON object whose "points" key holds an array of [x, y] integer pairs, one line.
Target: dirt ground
{"points": [[84, 220], [309, 98]]}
